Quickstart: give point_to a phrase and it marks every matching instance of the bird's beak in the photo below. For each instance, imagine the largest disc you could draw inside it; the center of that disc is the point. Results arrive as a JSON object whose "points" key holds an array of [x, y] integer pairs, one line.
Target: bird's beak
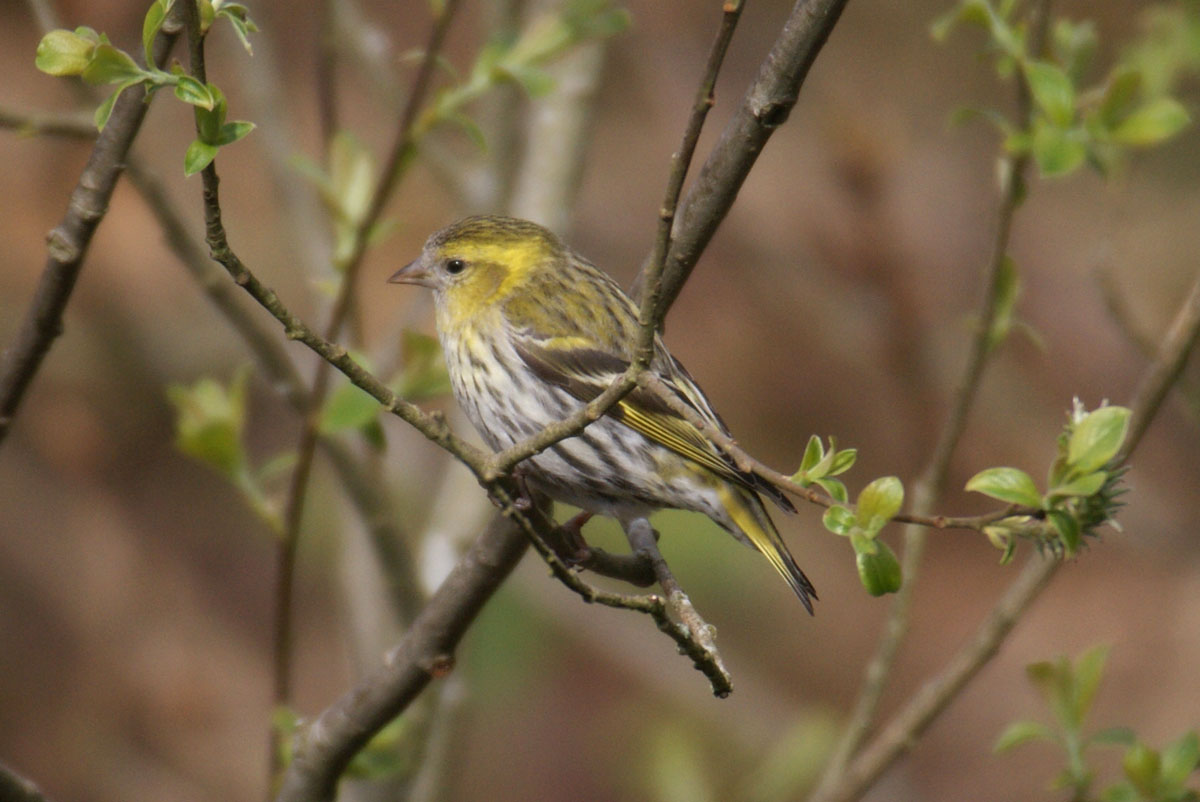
{"points": [[413, 273]]}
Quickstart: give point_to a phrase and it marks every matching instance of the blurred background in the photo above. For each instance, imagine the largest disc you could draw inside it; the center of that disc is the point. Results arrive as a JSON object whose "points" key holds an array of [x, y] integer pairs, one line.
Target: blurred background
{"points": [[136, 586]]}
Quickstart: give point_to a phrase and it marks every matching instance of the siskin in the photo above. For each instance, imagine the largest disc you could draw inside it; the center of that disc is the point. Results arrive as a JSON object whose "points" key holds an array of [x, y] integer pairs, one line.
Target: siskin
{"points": [[531, 330]]}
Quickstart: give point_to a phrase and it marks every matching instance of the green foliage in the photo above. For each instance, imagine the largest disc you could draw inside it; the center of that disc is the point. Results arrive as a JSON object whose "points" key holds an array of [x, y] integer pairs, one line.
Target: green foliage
{"points": [[678, 765], [212, 132], [1069, 689], [424, 374], [878, 503], [1071, 122], [91, 56], [1082, 487], [210, 422], [819, 467], [520, 60], [346, 189]]}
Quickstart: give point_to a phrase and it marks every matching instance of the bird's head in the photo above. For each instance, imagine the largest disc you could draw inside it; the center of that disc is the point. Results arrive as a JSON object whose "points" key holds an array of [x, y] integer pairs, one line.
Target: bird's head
{"points": [[480, 261]]}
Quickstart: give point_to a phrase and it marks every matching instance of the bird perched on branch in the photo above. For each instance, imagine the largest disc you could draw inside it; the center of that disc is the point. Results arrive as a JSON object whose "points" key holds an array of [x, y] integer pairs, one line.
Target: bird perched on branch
{"points": [[531, 331]]}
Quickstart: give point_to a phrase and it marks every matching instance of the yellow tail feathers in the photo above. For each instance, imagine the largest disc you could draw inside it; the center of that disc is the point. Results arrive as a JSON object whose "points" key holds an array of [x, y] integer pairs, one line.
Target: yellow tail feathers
{"points": [[747, 513]]}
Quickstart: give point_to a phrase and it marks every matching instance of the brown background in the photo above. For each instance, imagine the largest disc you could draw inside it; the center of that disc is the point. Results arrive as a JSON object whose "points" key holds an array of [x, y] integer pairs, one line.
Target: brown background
{"points": [[135, 588]]}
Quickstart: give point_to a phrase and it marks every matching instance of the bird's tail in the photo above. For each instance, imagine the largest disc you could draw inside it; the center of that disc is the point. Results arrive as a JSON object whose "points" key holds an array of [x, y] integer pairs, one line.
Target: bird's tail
{"points": [[748, 515]]}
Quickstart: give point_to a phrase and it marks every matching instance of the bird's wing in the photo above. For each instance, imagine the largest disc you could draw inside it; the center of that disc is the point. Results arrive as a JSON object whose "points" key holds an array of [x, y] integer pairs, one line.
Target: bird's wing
{"points": [[586, 372]]}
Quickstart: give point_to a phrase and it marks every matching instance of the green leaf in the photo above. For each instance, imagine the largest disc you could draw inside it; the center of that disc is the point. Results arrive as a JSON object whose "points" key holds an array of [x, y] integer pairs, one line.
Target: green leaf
{"points": [[1052, 91], [1074, 45], [1057, 151], [835, 489], [232, 132], [879, 572], [151, 24], [351, 178], [424, 374], [1156, 121], [1006, 484], [194, 93], [105, 109], [879, 502], [348, 407], [844, 461], [1089, 670], [209, 422], [199, 155], [109, 65], [536, 82], [1179, 760], [1120, 92], [470, 128], [1067, 527], [238, 17], [1142, 766], [1008, 290], [839, 520], [64, 53], [813, 452], [1086, 485], [1020, 732], [1113, 736], [1120, 792], [1097, 438]]}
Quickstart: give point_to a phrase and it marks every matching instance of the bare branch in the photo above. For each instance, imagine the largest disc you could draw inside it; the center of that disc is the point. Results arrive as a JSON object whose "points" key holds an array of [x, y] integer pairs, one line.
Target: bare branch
{"points": [[69, 240], [75, 126], [765, 107], [15, 788], [325, 746], [931, 482], [1162, 374], [899, 736], [650, 279]]}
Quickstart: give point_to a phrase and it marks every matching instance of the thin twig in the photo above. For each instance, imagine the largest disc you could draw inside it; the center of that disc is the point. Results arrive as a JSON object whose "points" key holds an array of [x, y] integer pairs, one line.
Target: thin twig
{"points": [[912, 720], [69, 241], [74, 126], [15, 788], [902, 732], [704, 656], [652, 307], [745, 462], [1122, 315], [1177, 345], [764, 108], [643, 540]]}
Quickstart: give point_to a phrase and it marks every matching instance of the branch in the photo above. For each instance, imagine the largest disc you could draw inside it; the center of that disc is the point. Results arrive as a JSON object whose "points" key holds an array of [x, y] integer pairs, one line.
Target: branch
{"points": [[916, 716], [15, 788], [765, 107], [745, 462], [653, 310], [309, 437], [643, 540], [699, 649], [1122, 315], [899, 736], [1162, 374], [75, 126], [324, 747], [931, 482], [69, 240]]}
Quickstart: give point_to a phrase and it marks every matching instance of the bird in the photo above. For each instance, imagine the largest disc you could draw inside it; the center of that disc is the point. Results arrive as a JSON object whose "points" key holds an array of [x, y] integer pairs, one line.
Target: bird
{"points": [[530, 331]]}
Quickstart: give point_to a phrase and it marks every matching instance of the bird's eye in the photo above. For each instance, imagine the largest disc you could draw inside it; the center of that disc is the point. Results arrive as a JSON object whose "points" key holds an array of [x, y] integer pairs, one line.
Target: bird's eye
{"points": [[455, 266]]}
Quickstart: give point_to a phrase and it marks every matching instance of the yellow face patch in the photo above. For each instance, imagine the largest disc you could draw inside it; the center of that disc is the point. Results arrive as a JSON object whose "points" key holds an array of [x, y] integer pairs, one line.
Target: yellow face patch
{"points": [[494, 270]]}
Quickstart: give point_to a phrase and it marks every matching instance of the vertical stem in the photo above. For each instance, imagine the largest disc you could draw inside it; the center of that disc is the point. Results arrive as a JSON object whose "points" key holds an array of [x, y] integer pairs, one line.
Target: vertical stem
{"points": [[931, 482]]}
